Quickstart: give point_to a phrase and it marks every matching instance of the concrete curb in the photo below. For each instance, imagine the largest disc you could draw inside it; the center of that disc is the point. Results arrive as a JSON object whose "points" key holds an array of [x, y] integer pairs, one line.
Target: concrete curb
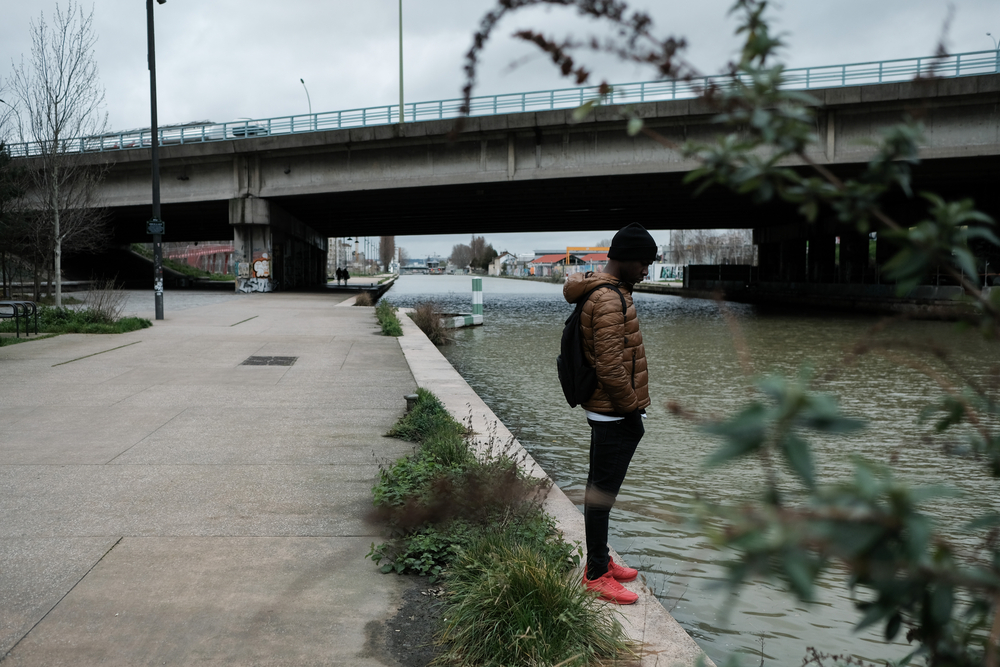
{"points": [[664, 642]]}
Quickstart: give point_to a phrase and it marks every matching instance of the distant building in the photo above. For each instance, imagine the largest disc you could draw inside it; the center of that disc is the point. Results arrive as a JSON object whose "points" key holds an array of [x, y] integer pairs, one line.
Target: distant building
{"points": [[423, 265], [502, 264], [546, 265]]}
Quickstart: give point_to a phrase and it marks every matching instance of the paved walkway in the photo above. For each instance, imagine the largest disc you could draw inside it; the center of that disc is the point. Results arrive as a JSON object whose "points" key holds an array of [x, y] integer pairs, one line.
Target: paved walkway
{"points": [[164, 504]]}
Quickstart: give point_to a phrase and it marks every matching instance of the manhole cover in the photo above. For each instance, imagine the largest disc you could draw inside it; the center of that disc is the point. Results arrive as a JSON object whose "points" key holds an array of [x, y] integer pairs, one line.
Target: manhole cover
{"points": [[269, 361]]}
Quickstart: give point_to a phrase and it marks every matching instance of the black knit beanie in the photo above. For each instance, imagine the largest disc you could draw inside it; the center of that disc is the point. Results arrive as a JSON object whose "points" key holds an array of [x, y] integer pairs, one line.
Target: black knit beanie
{"points": [[633, 242]]}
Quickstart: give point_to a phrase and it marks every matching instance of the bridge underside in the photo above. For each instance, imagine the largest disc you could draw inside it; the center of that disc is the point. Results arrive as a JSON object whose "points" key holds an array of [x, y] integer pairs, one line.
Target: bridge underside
{"points": [[658, 201], [546, 171]]}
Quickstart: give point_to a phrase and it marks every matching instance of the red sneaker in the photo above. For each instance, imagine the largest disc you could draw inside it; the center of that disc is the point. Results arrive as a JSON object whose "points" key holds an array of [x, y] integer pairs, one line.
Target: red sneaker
{"points": [[608, 589], [620, 572]]}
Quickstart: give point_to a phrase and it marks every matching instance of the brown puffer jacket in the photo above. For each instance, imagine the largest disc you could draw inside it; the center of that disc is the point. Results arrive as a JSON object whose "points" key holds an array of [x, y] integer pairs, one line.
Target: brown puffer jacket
{"points": [[612, 343]]}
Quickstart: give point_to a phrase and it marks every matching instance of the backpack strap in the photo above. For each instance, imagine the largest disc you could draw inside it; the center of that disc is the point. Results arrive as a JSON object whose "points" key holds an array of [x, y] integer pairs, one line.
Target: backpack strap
{"points": [[586, 297]]}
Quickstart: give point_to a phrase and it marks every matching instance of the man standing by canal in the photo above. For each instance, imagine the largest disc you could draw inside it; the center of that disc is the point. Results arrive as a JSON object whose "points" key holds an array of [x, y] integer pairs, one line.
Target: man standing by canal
{"points": [[613, 346]]}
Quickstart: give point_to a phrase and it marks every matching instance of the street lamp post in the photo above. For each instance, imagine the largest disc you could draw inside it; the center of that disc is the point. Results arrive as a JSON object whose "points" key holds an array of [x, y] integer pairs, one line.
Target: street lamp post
{"points": [[312, 120], [401, 114], [996, 49], [155, 225]]}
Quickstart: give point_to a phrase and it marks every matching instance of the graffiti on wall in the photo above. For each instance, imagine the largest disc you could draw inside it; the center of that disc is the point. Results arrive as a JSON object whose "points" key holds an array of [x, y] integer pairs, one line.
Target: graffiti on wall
{"points": [[261, 265], [248, 285]]}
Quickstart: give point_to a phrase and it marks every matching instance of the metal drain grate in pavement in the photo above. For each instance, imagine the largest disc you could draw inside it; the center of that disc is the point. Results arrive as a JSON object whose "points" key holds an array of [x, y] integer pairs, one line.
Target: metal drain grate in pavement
{"points": [[269, 361]]}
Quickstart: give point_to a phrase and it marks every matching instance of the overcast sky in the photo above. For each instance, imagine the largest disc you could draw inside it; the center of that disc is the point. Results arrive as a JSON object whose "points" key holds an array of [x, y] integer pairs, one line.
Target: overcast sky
{"points": [[224, 59]]}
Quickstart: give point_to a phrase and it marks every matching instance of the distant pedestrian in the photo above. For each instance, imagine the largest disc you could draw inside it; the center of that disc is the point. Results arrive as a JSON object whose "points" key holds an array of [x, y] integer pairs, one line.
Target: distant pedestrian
{"points": [[340, 275], [613, 346], [346, 275]]}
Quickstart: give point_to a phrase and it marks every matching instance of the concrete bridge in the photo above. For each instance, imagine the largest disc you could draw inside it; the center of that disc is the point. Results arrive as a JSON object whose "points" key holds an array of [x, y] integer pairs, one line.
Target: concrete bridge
{"points": [[281, 197]]}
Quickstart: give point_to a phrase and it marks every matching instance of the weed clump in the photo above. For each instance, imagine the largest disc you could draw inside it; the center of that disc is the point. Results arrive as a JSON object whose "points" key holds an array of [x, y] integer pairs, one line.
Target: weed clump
{"points": [[364, 299], [477, 523], [427, 316], [509, 605], [385, 313]]}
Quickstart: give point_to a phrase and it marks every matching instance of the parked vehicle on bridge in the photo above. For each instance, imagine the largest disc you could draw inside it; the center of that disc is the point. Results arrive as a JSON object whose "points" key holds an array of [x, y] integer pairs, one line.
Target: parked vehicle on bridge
{"points": [[246, 127]]}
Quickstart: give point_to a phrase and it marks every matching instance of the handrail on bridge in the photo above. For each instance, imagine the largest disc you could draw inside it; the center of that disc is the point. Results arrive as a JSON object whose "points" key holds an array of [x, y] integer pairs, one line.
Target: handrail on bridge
{"points": [[803, 78]]}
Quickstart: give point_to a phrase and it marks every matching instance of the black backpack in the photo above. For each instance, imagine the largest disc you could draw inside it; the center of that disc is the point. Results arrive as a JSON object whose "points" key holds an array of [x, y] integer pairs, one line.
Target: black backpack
{"points": [[577, 377]]}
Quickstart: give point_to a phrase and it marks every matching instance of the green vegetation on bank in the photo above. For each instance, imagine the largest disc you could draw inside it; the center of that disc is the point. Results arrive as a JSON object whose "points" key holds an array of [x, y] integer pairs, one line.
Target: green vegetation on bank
{"points": [[385, 313], [427, 316], [87, 320], [182, 267], [476, 523]]}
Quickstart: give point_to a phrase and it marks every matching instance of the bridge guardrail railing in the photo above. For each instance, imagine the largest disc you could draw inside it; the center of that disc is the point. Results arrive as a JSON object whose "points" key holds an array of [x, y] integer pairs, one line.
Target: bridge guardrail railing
{"points": [[826, 76]]}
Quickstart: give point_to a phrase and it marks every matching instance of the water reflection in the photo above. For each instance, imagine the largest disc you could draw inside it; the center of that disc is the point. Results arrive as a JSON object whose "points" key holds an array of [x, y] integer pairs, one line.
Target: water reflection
{"points": [[510, 362]]}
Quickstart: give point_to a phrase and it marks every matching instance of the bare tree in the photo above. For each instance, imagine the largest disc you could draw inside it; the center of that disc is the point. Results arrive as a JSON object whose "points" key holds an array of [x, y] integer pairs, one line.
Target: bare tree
{"points": [[60, 98], [387, 250], [403, 255], [461, 255], [478, 244], [12, 222]]}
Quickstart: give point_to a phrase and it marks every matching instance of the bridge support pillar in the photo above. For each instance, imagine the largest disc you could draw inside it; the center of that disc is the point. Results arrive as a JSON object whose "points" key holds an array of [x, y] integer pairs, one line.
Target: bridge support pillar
{"points": [[781, 253], [793, 260], [854, 256], [768, 261], [822, 258], [272, 249], [884, 251]]}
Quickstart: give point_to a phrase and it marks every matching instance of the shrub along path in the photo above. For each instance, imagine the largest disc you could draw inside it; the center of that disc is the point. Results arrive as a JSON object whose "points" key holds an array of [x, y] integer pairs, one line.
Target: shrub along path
{"points": [[165, 504]]}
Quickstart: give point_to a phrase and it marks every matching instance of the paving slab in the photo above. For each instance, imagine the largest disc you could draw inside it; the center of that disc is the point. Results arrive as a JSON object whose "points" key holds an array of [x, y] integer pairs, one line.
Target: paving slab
{"points": [[215, 601], [165, 504]]}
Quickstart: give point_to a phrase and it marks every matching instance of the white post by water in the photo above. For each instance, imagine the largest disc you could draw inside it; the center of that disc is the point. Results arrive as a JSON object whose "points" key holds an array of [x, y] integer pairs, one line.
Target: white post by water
{"points": [[477, 296]]}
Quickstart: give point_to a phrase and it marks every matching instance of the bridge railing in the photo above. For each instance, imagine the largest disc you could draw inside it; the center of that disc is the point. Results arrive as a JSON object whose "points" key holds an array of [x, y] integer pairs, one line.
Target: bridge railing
{"points": [[827, 76]]}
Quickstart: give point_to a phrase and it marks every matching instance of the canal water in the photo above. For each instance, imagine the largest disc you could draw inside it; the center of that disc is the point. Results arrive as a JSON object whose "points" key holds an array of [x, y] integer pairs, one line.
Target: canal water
{"points": [[510, 362]]}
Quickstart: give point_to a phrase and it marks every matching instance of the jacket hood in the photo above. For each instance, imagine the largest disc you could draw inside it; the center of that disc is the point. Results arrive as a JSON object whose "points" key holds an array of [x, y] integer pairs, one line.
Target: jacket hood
{"points": [[579, 284]]}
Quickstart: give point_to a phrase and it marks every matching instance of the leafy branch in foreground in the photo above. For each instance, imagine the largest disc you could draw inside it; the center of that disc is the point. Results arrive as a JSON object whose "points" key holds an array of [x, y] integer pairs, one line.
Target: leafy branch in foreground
{"points": [[944, 594]]}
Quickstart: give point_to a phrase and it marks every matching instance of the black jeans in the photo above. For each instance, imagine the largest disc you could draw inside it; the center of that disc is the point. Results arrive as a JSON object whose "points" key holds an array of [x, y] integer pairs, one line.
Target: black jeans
{"points": [[612, 445]]}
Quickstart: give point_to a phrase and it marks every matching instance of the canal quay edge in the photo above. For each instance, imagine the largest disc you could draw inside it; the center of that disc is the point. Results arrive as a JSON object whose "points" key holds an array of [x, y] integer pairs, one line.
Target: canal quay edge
{"points": [[664, 642]]}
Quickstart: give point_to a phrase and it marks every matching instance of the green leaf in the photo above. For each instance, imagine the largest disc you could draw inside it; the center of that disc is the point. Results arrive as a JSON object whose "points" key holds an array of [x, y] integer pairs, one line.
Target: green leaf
{"points": [[799, 457], [799, 573], [744, 433], [918, 535], [982, 233], [635, 126], [873, 614], [942, 600], [892, 626]]}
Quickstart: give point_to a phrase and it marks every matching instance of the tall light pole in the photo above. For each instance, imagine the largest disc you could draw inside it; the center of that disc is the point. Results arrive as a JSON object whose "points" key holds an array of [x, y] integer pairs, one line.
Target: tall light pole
{"points": [[401, 114], [3, 117], [996, 48], [312, 121], [155, 225]]}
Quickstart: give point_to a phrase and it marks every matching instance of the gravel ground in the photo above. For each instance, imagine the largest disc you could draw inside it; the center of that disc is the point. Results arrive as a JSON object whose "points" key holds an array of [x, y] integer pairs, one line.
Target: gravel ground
{"points": [[409, 635]]}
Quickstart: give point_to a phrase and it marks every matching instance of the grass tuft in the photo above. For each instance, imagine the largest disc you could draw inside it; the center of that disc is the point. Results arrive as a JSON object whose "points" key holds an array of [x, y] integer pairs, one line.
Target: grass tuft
{"points": [[385, 313], [427, 316], [477, 523], [364, 299], [508, 605]]}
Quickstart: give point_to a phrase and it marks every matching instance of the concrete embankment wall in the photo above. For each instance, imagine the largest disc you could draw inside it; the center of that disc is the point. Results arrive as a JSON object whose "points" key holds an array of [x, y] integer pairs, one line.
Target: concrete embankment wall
{"points": [[924, 302], [665, 643]]}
